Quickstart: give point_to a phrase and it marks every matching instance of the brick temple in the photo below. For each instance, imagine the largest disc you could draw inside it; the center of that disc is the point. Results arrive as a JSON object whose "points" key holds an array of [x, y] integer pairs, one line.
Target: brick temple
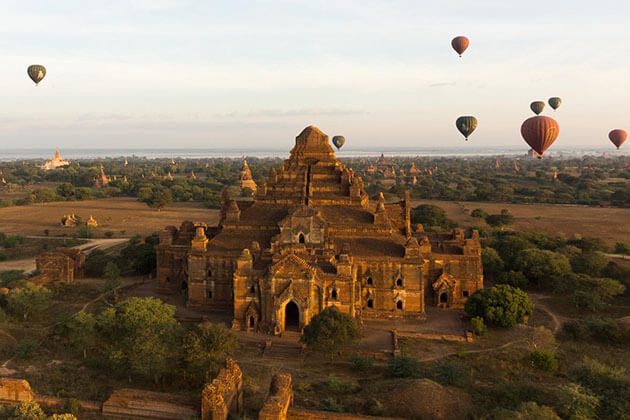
{"points": [[311, 238]]}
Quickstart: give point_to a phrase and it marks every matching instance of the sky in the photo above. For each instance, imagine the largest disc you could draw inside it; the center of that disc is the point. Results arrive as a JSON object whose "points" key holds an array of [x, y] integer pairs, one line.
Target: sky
{"points": [[248, 74]]}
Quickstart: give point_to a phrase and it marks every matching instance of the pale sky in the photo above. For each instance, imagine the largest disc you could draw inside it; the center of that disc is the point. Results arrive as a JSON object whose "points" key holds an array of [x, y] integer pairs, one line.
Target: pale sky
{"points": [[234, 73]]}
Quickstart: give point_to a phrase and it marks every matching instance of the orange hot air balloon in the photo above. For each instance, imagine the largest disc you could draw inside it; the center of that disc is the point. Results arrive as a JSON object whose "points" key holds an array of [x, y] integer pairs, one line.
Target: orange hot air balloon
{"points": [[460, 44], [618, 137], [540, 132]]}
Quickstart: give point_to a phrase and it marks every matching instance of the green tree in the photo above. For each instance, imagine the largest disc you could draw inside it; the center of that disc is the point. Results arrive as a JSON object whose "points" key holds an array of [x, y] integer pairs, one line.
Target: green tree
{"points": [[159, 198], [329, 330], [622, 248], [591, 263], [112, 276], [431, 216], [28, 300], [502, 219], [27, 411], [527, 411], [492, 263], [576, 403], [80, 331], [142, 337], [403, 367], [205, 349], [540, 266], [65, 190], [501, 305]]}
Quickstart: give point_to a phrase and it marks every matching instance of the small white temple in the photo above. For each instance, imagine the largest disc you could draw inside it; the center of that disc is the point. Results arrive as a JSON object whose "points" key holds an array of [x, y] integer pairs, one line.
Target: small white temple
{"points": [[56, 162]]}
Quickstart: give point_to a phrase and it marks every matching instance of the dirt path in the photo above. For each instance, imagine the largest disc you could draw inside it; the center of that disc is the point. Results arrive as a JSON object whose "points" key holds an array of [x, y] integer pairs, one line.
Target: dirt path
{"points": [[539, 304]]}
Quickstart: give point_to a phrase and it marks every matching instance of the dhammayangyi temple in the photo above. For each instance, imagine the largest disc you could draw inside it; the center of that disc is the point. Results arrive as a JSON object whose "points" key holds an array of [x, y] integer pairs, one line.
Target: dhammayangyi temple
{"points": [[311, 238]]}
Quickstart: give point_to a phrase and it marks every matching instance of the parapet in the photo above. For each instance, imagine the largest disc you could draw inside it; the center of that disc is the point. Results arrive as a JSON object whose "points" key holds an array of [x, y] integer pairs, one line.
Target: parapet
{"points": [[224, 396], [279, 399]]}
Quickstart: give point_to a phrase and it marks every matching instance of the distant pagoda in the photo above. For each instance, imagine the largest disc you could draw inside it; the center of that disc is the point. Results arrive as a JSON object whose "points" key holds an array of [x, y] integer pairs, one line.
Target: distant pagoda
{"points": [[246, 179], [56, 162]]}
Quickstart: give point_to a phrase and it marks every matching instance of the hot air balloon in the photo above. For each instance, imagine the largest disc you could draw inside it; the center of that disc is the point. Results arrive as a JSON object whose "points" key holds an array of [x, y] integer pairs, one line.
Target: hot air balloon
{"points": [[460, 44], [618, 137], [540, 132], [466, 125], [37, 73], [555, 102], [338, 141], [537, 107]]}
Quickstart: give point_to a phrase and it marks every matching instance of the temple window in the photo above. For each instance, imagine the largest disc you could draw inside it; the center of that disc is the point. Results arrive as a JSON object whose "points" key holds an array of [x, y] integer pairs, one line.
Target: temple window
{"points": [[333, 294], [399, 305], [301, 238], [370, 281], [370, 303], [465, 293], [209, 294], [209, 272], [252, 289], [399, 282]]}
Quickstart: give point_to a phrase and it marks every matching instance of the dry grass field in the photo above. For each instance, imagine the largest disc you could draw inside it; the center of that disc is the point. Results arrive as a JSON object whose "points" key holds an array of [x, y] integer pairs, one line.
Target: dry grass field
{"points": [[122, 216], [607, 223]]}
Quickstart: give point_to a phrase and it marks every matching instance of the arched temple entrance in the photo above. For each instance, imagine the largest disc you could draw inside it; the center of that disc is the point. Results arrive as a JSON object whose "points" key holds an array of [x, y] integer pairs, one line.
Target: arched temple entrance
{"points": [[443, 297], [291, 317]]}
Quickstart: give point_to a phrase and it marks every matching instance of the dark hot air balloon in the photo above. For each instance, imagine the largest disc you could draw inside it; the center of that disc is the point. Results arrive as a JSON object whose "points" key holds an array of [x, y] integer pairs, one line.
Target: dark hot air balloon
{"points": [[618, 137], [555, 103], [36, 72], [466, 125], [540, 132], [537, 107], [339, 141], [460, 44]]}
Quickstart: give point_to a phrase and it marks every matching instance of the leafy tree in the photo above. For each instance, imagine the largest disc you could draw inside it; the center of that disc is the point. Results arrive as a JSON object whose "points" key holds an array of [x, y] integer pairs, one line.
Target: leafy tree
{"points": [[96, 262], [362, 363], [591, 263], [28, 300], [65, 190], [329, 330], [576, 403], [142, 335], [500, 305], [431, 216], [539, 266], [514, 278], [27, 411], [112, 274], [206, 348], [80, 331], [510, 246], [159, 198], [492, 263]]}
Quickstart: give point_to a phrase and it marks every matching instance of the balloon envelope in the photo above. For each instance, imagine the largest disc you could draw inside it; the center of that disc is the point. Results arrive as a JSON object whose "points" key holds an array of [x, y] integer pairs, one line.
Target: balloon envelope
{"points": [[338, 141], [466, 125], [36, 72], [618, 137], [460, 44], [537, 107], [540, 132], [555, 102]]}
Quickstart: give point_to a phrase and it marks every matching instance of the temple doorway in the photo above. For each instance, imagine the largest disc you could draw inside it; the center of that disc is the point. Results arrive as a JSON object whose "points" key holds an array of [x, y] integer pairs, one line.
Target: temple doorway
{"points": [[291, 317], [443, 297]]}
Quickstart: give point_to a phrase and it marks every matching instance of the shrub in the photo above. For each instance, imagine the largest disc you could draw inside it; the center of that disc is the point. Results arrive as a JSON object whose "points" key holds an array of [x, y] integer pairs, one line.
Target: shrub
{"points": [[331, 404], [544, 360], [478, 326], [26, 347], [431, 216], [452, 372], [503, 219], [362, 363], [403, 367], [492, 263], [479, 213], [541, 265], [576, 403], [28, 300], [586, 300], [514, 278], [591, 263], [622, 248]]}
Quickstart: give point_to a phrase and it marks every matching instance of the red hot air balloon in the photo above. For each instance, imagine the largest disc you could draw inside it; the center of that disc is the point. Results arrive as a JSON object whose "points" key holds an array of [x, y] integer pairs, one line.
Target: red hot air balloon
{"points": [[618, 137], [460, 44], [540, 132]]}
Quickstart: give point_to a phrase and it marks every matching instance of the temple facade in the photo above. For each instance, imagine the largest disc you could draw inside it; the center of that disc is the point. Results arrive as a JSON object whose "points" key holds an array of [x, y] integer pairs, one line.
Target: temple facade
{"points": [[309, 239]]}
